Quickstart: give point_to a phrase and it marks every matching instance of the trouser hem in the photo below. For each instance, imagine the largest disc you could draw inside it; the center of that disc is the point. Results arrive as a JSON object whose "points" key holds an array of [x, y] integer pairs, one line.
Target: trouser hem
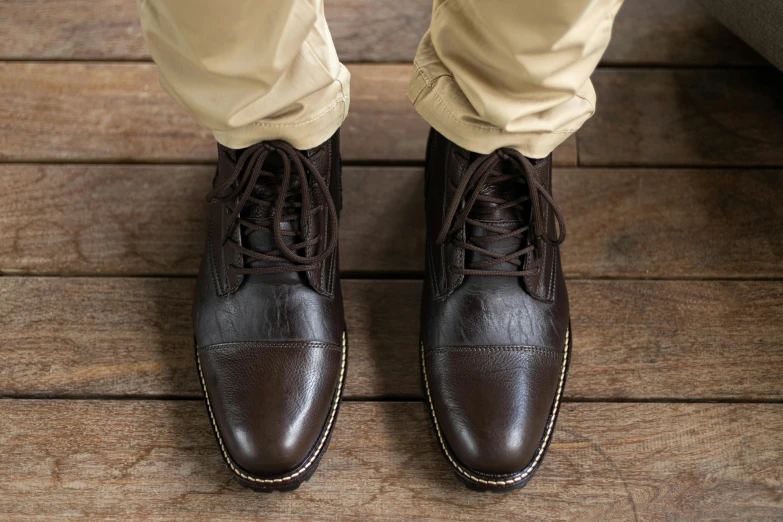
{"points": [[429, 99], [301, 135]]}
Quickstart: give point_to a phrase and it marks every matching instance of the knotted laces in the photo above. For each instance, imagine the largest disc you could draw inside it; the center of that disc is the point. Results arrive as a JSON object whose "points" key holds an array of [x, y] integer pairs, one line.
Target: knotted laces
{"points": [[260, 201], [482, 173]]}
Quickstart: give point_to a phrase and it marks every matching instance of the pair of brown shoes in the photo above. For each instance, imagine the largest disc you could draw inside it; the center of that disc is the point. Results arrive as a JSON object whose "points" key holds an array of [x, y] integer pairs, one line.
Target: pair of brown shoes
{"points": [[271, 342]]}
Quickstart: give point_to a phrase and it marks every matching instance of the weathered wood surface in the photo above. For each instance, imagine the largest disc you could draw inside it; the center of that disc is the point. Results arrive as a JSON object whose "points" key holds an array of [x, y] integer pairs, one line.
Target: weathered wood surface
{"points": [[77, 219], [632, 339], [672, 222], [645, 33], [635, 340], [117, 113], [674, 33], [685, 117], [71, 30], [159, 460], [144, 219]]}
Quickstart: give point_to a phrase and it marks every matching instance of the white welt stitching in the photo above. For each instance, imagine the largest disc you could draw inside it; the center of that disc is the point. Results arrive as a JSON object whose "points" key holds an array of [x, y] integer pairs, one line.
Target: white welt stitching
{"points": [[321, 442], [550, 425]]}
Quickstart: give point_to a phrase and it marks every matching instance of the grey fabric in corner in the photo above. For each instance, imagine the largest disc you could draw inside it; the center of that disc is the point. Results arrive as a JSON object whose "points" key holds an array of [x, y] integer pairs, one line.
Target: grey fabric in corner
{"points": [[758, 22]]}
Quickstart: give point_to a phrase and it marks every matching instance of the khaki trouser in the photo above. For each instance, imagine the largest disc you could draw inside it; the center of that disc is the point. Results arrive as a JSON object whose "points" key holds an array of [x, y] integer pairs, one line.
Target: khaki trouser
{"points": [[488, 73]]}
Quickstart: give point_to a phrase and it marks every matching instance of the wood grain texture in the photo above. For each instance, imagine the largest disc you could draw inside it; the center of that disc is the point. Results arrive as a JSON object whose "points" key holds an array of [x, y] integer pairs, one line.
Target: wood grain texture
{"points": [[94, 112], [77, 219], [672, 222], [118, 113], [685, 118], [665, 32], [143, 219], [635, 340], [159, 460], [362, 30], [632, 339], [71, 30], [674, 33]]}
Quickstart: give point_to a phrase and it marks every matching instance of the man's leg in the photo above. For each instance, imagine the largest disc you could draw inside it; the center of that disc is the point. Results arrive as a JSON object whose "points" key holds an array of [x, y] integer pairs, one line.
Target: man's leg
{"points": [[502, 83], [250, 71], [497, 73], [268, 315]]}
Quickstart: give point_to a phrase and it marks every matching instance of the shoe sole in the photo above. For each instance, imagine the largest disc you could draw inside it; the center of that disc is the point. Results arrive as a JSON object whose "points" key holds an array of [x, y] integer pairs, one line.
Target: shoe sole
{"points": [[291, 480], [501, 483]]}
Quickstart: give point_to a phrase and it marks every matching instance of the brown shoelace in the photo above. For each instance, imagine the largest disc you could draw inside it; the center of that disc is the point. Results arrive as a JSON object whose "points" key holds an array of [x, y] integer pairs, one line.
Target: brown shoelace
{"points": [[480, 174], [290, 197]]}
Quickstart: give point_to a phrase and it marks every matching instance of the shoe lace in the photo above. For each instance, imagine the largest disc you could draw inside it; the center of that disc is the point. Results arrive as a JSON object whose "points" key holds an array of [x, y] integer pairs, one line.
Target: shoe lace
{"points": [[482, 173], [250, 183]]}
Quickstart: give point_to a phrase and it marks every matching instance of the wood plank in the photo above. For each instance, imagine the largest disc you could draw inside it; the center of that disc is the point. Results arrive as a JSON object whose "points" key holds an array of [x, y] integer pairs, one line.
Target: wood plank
{"points": [[633, 339], [71, 30], [362, 30], [82, 219], [674, 32], [685, 118], [666, 32], [82, 112], [94, 219], [94, 112], [665, 222], [158, 460], [118, 113]]}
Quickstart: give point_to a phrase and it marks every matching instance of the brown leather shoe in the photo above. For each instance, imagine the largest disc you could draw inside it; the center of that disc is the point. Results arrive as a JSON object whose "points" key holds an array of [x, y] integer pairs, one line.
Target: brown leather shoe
{"points": [[268, 312], [495, 340]]}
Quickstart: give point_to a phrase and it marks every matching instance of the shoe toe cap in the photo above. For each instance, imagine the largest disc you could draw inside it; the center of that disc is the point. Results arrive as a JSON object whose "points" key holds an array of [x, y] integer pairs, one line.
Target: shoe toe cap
{"points": [[493, 403], [271, 401]]}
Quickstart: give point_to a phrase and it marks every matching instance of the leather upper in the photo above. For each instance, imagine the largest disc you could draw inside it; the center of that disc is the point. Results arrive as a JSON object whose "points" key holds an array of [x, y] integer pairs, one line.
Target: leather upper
{"points": [[271, 400], [270, 345], [491, 414], [493, 346]]}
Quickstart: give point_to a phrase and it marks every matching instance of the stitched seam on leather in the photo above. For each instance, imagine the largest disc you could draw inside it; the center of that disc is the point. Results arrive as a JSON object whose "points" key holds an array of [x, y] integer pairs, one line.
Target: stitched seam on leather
{"points": [[552, 279], [317, 284], [333, 267], [444, 264], [212, 264], [458, 278], [428, 248], [555, 250], [498, 348], [240, 262], [333, 256], [263, 344], [321, 442], [324, 264], [544, 441], [222, 252]]}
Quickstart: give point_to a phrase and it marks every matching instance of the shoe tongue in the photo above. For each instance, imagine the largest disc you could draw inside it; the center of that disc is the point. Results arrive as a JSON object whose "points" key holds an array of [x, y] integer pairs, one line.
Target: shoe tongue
{"points": [[491, 213], [506, 190], [267, 188]]}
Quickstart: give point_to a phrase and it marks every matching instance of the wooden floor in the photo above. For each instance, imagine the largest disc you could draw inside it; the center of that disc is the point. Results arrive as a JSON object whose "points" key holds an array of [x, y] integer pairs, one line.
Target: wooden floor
{"points": [[673, 195]]}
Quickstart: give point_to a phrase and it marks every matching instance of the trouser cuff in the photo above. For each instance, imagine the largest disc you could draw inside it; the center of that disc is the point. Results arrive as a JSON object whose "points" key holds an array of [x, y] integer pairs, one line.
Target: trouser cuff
{"points": [[301, 135], [440, 101]]}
